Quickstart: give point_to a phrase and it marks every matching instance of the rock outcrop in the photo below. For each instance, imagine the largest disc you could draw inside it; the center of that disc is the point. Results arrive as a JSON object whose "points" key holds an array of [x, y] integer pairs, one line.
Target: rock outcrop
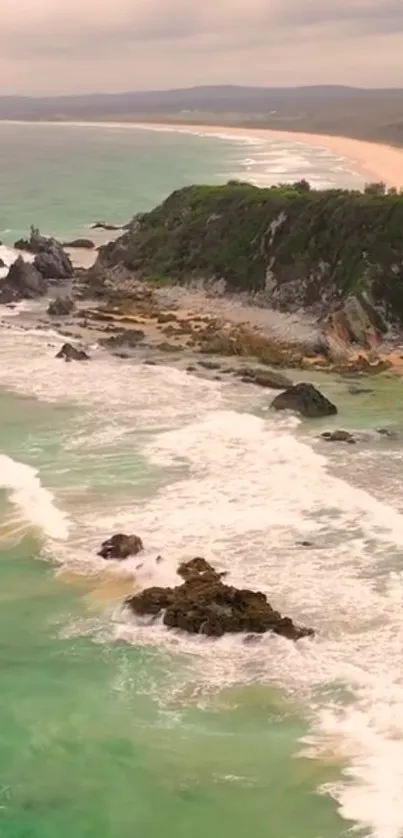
{"points": [[23, 282], [126, 339], [121, 546], [52, 262], [50, 259], [306, 400], [80, 244], [61, 307], [338, 436], [72, 353], [203, 604]]}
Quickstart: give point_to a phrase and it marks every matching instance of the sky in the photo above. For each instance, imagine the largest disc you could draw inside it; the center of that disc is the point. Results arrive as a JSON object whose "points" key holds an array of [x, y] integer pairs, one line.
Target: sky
{"points": [[81, 46]]}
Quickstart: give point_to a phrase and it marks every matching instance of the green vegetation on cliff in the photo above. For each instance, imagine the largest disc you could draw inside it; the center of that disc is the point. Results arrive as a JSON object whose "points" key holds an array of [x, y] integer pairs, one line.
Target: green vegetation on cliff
{"points": [[297, 247]]}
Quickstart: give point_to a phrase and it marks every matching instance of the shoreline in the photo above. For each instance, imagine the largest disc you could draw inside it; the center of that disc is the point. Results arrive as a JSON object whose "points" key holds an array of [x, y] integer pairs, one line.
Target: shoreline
{"points": [[374, 161]]}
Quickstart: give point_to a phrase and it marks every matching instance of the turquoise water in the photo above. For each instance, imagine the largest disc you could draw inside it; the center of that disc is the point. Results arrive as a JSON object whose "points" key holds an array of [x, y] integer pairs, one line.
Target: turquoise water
{"points": [[111, 727], [62, 177]]}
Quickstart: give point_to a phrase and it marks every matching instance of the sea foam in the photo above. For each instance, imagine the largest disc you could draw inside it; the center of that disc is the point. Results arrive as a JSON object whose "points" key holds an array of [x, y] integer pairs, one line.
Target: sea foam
{"points": [[34, 502]]}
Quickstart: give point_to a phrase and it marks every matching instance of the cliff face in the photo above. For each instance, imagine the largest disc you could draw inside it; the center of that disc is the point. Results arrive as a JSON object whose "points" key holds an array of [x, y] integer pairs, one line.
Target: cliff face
{"points": [[292, 247]]}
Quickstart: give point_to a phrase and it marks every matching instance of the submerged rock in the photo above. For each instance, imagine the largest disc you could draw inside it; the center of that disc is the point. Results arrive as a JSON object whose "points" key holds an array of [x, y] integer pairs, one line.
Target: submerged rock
{"points": [[129, 338], [72, 353], [203, 604], [338, 436], [306, 400], [265, 378], [23, 281], [61, 307], [121, 546]]}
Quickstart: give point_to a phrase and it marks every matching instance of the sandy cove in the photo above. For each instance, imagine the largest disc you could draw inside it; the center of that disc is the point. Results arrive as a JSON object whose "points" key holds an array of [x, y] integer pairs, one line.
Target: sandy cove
{"points": [[375, 162]]}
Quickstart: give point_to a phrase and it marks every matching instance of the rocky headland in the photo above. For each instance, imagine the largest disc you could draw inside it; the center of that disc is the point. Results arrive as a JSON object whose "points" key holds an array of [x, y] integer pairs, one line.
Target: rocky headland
{"points": [[199, 280]]}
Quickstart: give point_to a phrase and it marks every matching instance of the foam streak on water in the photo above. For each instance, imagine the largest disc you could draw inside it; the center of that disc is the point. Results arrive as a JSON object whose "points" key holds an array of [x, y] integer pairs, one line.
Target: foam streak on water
{"points": [[34, 502]]}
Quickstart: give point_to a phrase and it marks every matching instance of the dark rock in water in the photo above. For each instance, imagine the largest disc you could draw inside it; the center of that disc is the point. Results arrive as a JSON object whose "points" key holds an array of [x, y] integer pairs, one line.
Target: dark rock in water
{"points": [[121, 546], [128, 338], [338, 436], [203, 604], [72, 353], [23, 282], [80, 244], [265, 378], [360, 391], [2, 263], [102, 225], [209, 365], [198, 568], [306, 400], [386, 432], [61, 307], [52, 262], [305, 544]]}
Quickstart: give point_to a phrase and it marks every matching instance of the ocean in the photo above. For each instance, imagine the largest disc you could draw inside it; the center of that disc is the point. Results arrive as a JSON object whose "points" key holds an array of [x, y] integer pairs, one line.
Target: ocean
{"points": [[114, 727]]}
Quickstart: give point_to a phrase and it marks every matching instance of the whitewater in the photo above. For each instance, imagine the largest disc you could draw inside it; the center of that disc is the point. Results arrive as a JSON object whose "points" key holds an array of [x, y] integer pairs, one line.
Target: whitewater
{"points": [[243, 488]]}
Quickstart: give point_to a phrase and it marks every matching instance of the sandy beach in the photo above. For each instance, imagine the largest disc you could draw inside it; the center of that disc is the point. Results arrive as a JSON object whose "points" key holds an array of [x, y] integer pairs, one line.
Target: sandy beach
{"points": [[375, 162]]}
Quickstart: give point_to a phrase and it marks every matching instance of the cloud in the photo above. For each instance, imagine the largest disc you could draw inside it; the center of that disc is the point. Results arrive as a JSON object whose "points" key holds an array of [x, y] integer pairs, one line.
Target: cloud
{"points": [[121, 44]]}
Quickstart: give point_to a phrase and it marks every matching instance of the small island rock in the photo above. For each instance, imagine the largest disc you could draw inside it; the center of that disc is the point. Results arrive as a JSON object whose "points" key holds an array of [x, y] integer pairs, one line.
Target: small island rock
{"points": [[121, 546], [203, 604], [306, 400], [71, 353]]}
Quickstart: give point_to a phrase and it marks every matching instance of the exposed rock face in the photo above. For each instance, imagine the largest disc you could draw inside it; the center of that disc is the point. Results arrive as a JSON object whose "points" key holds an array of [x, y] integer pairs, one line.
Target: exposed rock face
{"points": [[129, 338], [203, 604], [306, 400], [71, 353], [61, 306], [265, 378], [338, 436], [23, 281], [80, 244], [357, 321], [52, 262], [121, 546]]}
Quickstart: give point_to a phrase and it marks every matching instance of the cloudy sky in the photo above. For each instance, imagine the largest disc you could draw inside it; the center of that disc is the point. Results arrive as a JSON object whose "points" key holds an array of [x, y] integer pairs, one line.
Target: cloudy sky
{"points": [[62, 46]]}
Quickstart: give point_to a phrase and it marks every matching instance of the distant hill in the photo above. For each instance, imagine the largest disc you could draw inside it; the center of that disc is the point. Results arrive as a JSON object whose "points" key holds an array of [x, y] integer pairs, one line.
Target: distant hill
{"points": [[363, 113]]}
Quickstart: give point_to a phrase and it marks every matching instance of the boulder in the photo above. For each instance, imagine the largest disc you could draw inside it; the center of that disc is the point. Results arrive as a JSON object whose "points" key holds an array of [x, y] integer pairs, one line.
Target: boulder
{"points": [[203, 604], [72, 353], [338, 436], [306, 400], [80, 244], [23, 282], [52, 262], [264, 378], [128, 338], [121, 546], [61, 307]]}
